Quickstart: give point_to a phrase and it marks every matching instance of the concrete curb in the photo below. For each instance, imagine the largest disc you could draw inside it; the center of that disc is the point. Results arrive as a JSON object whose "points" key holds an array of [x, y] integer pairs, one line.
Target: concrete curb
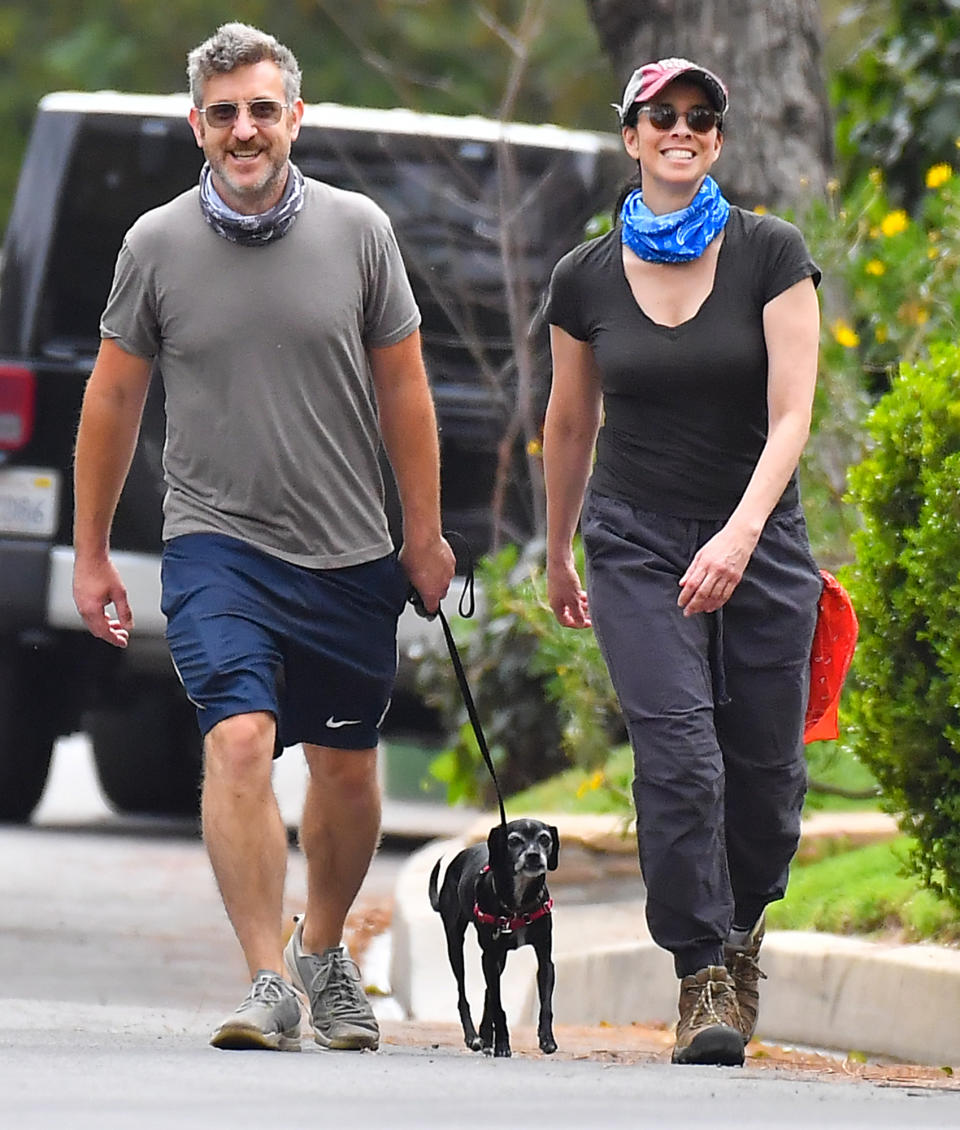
{"points": [[822, 991]]}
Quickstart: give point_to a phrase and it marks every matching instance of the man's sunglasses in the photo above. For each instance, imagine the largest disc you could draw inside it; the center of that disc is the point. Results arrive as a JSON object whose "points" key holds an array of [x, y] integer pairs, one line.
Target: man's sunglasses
{"points": [[262, 111], [701, 119]]}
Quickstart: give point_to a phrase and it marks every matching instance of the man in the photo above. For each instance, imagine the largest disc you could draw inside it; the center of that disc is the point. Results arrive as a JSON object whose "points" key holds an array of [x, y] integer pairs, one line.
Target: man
{"points": [[278, 312]]}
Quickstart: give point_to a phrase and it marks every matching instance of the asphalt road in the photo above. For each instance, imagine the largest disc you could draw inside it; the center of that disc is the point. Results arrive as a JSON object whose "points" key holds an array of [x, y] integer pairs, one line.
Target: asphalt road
{"points": [[116, 960]]}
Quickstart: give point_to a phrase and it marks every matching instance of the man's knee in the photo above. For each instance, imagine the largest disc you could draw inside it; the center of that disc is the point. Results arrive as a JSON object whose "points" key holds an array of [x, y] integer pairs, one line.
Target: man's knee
{"points": [[240, 747], [349, 774]]}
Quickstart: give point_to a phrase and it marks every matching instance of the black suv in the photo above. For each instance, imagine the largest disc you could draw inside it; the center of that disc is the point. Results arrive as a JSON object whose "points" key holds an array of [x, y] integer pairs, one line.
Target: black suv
{"points": [[475, 204]]}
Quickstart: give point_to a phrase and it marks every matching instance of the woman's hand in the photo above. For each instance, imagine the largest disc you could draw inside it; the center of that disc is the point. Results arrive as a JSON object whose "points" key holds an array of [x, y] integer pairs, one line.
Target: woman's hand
{"points": [[715, 570], [566, 594]]}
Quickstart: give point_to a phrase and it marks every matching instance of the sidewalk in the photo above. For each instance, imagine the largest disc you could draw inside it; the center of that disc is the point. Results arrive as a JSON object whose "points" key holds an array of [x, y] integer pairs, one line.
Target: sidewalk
{"points": [[900, 1001]]}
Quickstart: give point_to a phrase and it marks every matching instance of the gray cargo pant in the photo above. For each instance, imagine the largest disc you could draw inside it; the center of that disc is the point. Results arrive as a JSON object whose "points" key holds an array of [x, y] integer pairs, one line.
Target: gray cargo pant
{"points": [[714, 705]]}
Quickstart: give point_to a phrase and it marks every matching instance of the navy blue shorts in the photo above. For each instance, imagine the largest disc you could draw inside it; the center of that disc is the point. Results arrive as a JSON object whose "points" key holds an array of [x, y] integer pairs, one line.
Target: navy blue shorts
{"points": [[317, 648]]}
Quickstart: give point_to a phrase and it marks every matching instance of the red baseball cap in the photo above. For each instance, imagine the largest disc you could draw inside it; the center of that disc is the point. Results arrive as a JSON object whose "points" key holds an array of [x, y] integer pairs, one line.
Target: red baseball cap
{"points": [[647, 81]]}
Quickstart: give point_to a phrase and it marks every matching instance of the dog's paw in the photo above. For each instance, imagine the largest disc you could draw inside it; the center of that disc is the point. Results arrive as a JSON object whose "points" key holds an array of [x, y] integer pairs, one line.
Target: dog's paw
{"points": [[502, 1051], [487, 1049], [548, 1046], [476, 1044]]}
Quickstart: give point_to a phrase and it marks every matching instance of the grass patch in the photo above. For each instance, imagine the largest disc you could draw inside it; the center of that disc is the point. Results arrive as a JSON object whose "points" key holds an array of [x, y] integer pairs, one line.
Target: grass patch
{"points": [[829, 764], [604, 791], [865, 891], [608, 790]]}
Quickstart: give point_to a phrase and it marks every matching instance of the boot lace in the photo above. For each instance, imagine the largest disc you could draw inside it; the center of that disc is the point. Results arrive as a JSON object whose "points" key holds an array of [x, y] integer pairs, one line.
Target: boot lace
{"points": [[715, 998]]}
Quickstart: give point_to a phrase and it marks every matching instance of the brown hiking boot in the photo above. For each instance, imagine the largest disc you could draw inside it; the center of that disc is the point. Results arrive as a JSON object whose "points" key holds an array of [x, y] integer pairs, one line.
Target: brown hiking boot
{"points": [[740, 954], [708, 1030]]}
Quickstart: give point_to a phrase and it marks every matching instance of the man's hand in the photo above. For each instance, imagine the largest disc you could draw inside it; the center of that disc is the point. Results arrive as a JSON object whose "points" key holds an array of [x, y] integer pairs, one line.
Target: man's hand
{"points": [[430, 567], [97, 584]]}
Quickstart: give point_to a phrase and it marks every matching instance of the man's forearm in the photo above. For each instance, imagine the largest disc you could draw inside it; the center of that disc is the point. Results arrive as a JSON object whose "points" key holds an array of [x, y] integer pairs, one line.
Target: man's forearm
{"points": [[106, 441], [410, 438]]}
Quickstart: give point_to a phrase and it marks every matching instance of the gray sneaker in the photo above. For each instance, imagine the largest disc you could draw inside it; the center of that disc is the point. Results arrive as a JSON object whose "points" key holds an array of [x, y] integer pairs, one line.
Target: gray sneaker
{"points": [[268, 1018], [339, 1010]]}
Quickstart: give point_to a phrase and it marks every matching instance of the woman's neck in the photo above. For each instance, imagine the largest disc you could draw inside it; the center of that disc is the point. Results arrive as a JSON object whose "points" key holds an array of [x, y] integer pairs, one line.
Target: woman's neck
{"points": [[662, 198]]}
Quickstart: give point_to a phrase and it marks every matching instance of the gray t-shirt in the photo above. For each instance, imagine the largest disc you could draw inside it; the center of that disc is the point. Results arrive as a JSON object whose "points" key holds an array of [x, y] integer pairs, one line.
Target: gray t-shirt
{"points": [[272, 430]]}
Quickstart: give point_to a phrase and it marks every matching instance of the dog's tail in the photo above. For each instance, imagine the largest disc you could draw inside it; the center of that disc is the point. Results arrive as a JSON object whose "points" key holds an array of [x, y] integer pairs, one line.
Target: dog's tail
{"points": [[434, 888]]}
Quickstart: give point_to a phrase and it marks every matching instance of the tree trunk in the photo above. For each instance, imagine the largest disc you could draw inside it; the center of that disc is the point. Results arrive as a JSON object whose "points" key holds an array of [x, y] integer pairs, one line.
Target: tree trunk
{"points": [[778, 144]]}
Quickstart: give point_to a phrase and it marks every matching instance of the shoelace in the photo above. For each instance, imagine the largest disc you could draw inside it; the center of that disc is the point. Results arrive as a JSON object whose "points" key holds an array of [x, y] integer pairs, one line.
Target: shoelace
{"points": [[340, 976], [752, 965], [266, 989], [705, 1002]]}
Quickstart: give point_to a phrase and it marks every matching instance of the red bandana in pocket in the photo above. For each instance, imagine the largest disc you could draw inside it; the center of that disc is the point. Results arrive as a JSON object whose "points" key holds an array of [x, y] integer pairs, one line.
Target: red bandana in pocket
{"points": [[834, 641]]}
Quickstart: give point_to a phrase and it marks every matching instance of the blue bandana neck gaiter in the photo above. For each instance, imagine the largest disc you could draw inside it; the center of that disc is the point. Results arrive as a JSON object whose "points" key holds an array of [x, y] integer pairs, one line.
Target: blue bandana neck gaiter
{"points": [[261, 228], [675, 237]]}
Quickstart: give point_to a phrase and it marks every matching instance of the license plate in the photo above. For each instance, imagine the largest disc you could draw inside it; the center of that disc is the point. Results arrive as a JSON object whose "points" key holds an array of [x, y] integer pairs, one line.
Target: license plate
{"points": [[29, 498]]}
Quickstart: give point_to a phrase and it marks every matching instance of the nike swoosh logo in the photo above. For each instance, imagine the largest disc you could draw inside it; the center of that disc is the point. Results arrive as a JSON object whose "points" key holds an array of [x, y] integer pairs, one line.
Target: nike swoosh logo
{"points": [[336, 723]]}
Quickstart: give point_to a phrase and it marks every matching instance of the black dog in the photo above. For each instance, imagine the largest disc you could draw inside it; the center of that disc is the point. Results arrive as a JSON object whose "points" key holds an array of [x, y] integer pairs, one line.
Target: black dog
{"points": [[501, 888]]}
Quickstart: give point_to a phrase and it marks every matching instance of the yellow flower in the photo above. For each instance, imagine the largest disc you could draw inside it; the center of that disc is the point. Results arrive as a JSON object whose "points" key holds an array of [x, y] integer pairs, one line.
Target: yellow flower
{"points": [[932, 253], [938, 174], [894, 222], [761, 209], [881, 333], [876, 175], [534, 447], [875, 267], [845, 334], [591, 784]]}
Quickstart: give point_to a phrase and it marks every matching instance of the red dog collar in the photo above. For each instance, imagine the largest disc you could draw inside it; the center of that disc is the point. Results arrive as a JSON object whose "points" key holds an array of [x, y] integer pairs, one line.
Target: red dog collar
{"points": [[507, 925]]}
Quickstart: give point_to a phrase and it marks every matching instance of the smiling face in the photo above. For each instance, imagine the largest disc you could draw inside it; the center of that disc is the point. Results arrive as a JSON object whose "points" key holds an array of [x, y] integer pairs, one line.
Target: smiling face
{"points": [[248, 160], [673, 162]]}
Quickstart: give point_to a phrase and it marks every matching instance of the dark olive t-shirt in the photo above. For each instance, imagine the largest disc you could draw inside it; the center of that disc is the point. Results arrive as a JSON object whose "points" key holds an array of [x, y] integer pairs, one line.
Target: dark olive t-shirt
{"points": [[685, 407]]}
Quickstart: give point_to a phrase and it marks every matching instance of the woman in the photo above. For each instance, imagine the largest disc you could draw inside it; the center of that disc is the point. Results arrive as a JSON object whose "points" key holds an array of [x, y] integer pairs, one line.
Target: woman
{"points": [[690, 332]]}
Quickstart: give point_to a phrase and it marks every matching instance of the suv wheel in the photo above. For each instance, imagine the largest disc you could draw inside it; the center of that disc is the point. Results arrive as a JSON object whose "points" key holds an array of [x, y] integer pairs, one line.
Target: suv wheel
{"points": [[148, 752], [26, 731]]}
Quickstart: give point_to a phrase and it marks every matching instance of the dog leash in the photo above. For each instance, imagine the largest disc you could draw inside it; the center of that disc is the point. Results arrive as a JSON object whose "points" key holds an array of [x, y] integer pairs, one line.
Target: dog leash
{"points": [[466, 611]]}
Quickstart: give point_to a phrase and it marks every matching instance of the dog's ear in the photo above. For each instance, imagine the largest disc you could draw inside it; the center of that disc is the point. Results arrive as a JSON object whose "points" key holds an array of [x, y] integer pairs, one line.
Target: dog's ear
{"points": [[497, 848], [553, 857]]}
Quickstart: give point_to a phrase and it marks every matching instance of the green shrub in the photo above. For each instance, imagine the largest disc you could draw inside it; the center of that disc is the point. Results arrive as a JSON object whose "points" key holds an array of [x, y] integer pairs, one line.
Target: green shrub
{"points": [[898, 271], [889, 290], [897, 100], [905, 701]]}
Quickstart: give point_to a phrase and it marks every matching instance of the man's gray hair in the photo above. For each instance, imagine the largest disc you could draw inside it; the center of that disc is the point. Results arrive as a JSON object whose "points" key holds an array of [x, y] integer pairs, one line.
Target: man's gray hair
{"points": [[239, 45]]}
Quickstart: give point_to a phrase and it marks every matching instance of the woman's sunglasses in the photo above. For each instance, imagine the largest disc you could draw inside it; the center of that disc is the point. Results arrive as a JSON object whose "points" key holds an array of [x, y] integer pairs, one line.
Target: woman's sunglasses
{"points": [[262, 111], [663, 116]]}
